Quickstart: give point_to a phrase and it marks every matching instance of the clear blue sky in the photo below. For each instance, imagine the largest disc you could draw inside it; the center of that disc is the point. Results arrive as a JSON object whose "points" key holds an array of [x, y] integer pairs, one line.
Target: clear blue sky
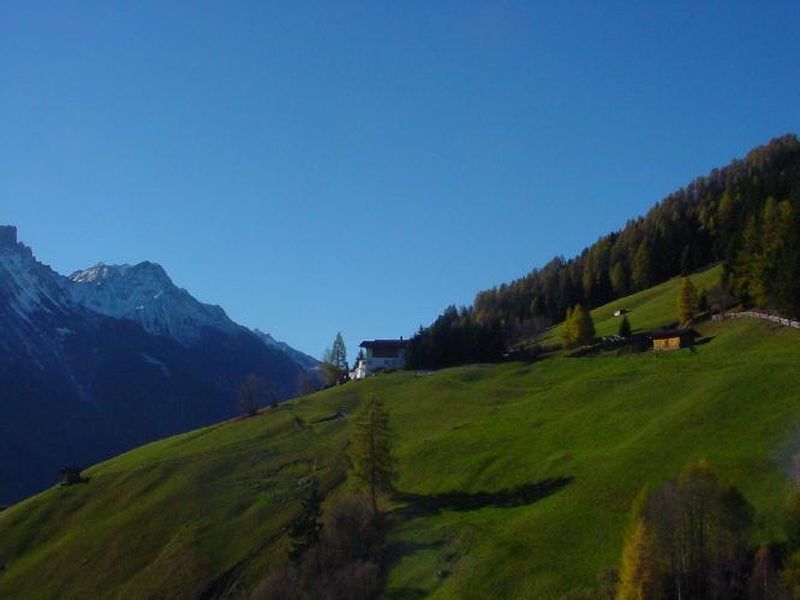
{"points": [[325, 166]]}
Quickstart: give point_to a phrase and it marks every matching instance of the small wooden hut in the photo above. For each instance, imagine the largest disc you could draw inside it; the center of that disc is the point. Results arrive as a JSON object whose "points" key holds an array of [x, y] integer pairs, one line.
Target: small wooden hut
{"points": [[71, 476], [673, 339]]}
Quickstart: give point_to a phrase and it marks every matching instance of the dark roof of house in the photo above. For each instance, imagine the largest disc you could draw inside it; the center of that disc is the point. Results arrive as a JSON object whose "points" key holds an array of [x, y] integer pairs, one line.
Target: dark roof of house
{"points": [[384, 344], [673, 333]]}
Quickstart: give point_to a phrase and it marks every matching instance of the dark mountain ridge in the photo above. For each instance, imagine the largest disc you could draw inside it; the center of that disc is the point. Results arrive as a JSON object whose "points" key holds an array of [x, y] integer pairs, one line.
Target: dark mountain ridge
{"points": [[78, 386]]}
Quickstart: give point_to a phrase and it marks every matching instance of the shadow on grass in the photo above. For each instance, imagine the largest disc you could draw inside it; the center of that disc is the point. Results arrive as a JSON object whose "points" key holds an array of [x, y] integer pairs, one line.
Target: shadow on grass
{"points": [[394, 552], [522, 495], [404, 594]]}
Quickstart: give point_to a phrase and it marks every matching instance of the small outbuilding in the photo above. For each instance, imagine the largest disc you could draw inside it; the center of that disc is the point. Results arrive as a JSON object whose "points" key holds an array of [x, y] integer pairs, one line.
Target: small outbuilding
{"points": [[71, 476], [621, 312], [673, 339]]}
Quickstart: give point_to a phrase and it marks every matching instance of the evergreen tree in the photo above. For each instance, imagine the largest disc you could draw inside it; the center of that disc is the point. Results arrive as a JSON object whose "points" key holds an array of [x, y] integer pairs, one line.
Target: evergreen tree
{"points": [[537, 307], [304, 531], [359, 358], [625, 327], [337, 356], [619, 280], [639, 573], [687, 302], [787, 279], [334, 361], [642, 270], [570, 333], [771, 242], [702, 300], [374, 466], [585, 323]]}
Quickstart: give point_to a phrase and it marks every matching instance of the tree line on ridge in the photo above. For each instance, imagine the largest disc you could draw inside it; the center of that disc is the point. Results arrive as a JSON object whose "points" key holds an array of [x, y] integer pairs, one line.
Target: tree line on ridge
{"points": [[745, 216]]}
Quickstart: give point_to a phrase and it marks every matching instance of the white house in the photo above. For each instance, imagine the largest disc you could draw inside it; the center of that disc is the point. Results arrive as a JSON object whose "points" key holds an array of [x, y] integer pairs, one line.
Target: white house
{"points": [[380, 355]]}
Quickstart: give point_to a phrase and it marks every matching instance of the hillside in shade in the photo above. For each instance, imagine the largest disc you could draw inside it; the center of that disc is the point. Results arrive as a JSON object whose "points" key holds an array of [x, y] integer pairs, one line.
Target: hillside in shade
{"points": [[110, 358]]}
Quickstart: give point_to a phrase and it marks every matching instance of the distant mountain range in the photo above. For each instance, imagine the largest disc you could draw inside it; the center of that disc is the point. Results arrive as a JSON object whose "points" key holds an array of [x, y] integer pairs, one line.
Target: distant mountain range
{"points": [[112, 357]]}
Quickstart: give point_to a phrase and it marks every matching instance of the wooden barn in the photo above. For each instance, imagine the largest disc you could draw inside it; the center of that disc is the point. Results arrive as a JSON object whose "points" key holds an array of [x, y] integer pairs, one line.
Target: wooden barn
{"points": [[673, 339]]}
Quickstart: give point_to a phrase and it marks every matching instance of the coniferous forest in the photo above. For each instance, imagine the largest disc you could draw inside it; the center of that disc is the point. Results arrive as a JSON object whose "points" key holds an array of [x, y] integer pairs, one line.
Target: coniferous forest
{"points": [[745, 216]]}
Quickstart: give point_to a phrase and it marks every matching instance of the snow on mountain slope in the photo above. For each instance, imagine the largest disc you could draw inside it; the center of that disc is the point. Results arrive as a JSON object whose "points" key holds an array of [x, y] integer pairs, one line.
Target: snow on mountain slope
{"points": [[94, 364], [144, 293], [302, 359], [26, 285]]}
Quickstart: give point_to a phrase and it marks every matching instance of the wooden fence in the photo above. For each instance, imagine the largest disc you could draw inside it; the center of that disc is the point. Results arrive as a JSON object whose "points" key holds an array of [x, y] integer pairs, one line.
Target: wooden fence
{"points": [[753, 314]]}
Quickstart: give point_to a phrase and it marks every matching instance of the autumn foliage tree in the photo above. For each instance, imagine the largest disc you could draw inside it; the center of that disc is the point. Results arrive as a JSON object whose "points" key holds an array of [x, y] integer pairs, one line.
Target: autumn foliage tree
{"points": [[687, 302], [640, 572], [579, 327], [693, 533], [344, 563]]}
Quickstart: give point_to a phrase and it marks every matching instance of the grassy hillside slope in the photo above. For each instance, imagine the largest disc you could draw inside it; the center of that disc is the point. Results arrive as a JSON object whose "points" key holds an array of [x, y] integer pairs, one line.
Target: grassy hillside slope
{"points": [[649, 309], [517, 478]]}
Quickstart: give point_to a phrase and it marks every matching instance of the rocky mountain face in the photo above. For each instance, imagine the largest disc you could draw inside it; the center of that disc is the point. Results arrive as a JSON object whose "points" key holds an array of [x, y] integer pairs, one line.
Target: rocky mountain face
{"points": [[110, 358], [144, 293], [302, 359]]}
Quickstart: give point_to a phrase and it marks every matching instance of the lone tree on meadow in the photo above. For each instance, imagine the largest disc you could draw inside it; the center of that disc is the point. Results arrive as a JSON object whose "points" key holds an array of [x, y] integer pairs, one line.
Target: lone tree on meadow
{"points": [[251, 395], [579, 327], [374, 465], [334, 361], [305, 530], [625, 327], [687, 302]]}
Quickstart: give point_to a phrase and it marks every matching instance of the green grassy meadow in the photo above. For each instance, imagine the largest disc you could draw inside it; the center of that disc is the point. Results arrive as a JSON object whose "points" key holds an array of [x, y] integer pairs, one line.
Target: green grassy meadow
{"points": [[649, 309], [516, 479]]}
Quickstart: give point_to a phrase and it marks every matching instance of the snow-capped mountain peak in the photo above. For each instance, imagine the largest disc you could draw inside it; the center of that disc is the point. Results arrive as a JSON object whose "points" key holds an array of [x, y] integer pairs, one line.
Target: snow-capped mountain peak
{"points": [[142, 292], [99, 273], [111, 357], [144, 273], [146, 294], [26, 285]]}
